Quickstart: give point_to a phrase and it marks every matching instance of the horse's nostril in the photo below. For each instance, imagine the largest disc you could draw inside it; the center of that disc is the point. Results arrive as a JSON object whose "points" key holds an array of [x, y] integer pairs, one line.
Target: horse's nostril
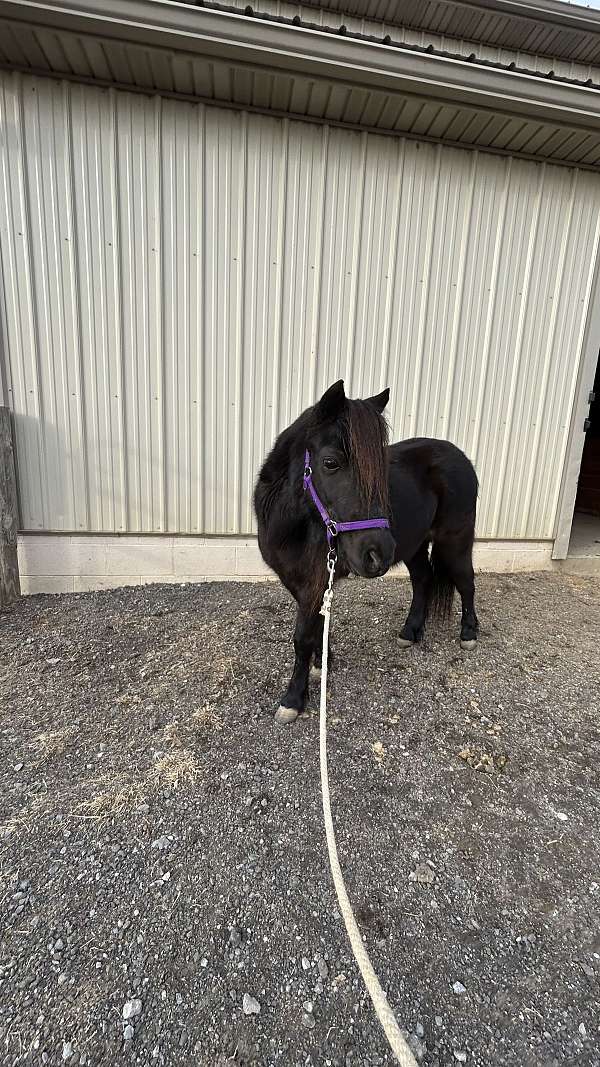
{"points": [[373, 557]]}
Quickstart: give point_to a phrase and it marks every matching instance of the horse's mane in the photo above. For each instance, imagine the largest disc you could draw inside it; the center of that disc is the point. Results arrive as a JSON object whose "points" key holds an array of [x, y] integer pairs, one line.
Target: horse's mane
{"points": [[364, 437], [365, 434]]}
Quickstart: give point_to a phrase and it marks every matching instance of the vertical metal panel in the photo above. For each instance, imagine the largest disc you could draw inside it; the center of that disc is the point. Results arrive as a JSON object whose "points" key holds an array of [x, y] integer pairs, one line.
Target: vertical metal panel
{"points": [[180, 281]]}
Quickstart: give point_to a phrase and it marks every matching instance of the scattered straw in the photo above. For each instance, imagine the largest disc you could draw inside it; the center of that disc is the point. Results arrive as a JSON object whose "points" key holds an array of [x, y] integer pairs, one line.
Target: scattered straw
{"points": [[172, 734], [206, 718], [111, 803], [52, 743], [26, 819], [175, 768]]}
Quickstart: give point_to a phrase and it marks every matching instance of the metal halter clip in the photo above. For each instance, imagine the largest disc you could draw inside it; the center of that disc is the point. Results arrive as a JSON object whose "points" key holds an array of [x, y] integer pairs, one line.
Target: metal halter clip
{"points": [[328, 594], [331, 528]]}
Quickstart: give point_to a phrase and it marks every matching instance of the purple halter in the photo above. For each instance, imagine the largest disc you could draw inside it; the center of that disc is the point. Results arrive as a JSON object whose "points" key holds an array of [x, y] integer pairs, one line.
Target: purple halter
{"points": [[334, 528]]}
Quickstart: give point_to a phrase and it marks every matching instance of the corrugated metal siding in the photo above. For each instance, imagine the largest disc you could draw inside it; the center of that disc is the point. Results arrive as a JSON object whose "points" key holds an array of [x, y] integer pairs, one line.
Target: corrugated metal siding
{"points": [[474, 23], [180, 281], [409, 33], [43, 48], [40, 49]]}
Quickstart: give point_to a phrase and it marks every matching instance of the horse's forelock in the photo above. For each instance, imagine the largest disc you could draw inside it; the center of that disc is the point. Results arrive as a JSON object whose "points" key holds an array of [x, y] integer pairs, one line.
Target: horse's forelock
{"points": [[366, 438]]}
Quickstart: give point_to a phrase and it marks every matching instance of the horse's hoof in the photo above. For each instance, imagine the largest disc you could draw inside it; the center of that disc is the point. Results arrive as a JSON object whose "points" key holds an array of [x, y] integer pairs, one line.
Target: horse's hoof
{"points": [[285, 715], [403, 642], [468, 646], [315, 673]]}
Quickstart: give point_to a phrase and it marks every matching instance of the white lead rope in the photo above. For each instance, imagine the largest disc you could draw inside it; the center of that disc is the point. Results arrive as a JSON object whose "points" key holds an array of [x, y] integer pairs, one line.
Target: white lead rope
{"points": [[384, 1012]]}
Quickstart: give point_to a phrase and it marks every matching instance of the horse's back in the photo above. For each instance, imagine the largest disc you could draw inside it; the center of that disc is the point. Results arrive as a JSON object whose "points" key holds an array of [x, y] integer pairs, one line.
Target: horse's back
{"points": [[433, 489], [436, 463]]}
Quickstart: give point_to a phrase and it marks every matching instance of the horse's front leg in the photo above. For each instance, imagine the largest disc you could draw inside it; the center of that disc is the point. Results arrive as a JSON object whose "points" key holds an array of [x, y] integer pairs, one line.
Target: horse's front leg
{"points": [[315, 670], [307, 639]]}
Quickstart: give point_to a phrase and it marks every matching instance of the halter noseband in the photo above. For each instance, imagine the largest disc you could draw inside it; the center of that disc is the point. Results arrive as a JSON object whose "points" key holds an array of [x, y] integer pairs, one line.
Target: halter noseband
{"points": [[334, 528]]}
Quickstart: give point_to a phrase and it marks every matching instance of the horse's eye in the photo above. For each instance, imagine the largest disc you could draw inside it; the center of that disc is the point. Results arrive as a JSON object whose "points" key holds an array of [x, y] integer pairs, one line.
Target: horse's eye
{"points": [[331, 464]]}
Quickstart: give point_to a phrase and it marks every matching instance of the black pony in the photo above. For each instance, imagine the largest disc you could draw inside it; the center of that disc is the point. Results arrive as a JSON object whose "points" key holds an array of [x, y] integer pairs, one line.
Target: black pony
{"points": [[427, 488]]}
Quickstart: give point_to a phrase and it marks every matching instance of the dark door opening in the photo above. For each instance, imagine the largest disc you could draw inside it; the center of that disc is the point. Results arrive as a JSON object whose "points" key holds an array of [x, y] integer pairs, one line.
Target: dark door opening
{"points": [[585, 533]]}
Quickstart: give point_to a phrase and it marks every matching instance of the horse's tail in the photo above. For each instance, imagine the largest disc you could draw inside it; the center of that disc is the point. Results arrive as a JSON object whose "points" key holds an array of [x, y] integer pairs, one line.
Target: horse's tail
{"points": [[442, 589]]}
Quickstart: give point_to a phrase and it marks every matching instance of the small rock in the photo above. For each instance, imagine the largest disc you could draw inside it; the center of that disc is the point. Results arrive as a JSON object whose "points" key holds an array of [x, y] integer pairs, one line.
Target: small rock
{"points": [[128, 1032], [59, 945], [422, 873], [378, 751], [417, 1047], [308, 1006], [420, 1030], [459, 989], [582, 1030], [67, 1050], [250, 1006], [308, 1020], [132, 1008], [305, 964], [161, 843], [142, 809], [561, 815], [18, 767], [204, 962], [461, 1057], [235, 937], [322, 967], [438, 1020], [319, 986]]}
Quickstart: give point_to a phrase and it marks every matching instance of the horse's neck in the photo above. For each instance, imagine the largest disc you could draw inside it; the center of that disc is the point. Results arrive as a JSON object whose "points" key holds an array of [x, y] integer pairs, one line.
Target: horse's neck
{"points": [[285, 462], [283, 499]]}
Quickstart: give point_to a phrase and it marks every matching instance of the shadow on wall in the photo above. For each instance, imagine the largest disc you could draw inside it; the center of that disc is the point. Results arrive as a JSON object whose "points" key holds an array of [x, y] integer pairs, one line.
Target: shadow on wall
{"points": [[50, 479]]}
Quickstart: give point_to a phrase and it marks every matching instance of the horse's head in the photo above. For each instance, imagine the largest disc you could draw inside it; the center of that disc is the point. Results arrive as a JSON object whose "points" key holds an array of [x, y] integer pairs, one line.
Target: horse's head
{"points": [[348, 456]]}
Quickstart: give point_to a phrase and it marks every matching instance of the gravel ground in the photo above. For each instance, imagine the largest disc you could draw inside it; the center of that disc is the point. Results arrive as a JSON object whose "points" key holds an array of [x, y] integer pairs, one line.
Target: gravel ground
{"points": [[164, 889]]}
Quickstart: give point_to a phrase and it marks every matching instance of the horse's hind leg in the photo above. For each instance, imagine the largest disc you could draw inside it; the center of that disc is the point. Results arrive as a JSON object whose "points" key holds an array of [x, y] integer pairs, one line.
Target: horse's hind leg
{"points": [[308, 632], [420, 572], [457, 556]]}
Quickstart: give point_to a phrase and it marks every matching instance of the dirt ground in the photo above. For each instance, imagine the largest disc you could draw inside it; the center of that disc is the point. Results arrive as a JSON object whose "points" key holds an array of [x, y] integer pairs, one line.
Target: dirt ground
{"points": [[162, 861]]}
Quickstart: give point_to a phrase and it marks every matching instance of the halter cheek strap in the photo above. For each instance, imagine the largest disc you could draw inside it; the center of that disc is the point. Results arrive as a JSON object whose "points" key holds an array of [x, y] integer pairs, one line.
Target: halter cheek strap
{"points": [[334, 528]]}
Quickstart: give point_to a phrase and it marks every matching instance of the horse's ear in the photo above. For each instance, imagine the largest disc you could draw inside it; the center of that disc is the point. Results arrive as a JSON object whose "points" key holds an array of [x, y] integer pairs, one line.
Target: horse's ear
{"points": [[379, 401], [332, 402]]}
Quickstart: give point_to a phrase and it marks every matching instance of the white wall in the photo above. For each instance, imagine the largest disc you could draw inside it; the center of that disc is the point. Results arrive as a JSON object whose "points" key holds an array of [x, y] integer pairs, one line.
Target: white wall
{"points": [[179, 281]]}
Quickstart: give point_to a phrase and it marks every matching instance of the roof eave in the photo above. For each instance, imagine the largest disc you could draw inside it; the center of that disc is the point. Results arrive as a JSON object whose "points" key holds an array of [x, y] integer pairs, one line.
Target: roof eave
{"points": [[257, 41]]}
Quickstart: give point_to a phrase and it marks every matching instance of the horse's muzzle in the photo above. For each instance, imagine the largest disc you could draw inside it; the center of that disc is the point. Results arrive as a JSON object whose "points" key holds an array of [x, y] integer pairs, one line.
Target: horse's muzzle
{"points": [[375, 563]]}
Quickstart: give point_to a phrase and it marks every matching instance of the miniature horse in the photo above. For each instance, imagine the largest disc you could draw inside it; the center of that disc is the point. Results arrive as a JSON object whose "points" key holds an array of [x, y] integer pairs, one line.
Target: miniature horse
{"points": [[428, 488]]}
